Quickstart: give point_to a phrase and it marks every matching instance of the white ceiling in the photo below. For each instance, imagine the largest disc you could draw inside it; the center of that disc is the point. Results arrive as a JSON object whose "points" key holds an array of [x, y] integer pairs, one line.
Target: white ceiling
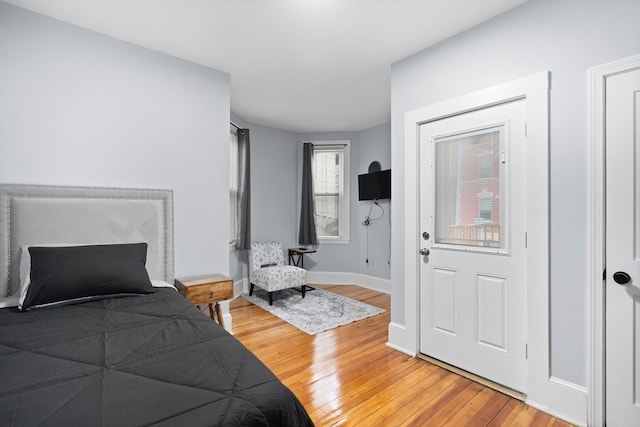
{"points": [[298, 65]]}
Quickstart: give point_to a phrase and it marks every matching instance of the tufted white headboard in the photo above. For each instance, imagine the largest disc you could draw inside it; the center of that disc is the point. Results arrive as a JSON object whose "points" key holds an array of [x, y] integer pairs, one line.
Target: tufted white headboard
{"points": [[35, 214]]}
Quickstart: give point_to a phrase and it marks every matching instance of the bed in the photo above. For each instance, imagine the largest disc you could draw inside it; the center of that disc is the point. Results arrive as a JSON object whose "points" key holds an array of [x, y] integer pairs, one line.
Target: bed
{"points": [[90, 342]]}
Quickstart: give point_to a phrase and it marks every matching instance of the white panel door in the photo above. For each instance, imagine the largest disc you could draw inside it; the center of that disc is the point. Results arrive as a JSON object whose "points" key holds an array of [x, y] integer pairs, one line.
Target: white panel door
{"points": [[473, 224], [622, 140]]}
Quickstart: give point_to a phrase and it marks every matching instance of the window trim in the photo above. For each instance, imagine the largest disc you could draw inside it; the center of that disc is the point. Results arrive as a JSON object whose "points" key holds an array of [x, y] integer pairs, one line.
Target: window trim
{"points": [[345, 212]]}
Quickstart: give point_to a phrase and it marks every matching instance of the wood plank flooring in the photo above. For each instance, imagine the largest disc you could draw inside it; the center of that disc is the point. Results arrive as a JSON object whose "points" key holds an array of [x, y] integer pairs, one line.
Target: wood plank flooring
{"points": [[347, 376]]}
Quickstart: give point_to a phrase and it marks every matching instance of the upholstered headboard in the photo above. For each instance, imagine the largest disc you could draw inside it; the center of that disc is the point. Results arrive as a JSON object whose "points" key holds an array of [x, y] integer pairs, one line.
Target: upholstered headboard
{"points": [[33, 214]]}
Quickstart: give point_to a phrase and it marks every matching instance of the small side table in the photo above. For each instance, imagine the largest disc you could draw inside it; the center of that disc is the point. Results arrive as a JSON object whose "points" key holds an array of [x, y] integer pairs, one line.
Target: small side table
{"points": [[296, 256], [207, 289]]}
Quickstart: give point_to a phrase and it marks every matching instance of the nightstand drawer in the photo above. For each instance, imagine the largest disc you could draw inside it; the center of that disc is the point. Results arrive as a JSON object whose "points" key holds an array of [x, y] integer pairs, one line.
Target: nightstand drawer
{"points": [[210, 292], [209, 289]]}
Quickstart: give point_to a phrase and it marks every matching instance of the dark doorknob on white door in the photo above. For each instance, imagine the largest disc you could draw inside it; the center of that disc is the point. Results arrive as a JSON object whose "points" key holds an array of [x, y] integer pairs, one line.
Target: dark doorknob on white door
{"points": [[621, 278]]}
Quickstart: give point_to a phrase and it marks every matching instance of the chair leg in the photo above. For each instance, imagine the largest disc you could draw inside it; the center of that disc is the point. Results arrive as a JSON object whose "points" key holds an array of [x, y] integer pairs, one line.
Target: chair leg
{"points": [[304, 288], [270, 298], [251, 289]]}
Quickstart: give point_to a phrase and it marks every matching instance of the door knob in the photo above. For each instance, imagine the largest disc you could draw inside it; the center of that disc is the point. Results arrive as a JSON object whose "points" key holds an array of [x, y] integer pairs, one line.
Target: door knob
{"points": [[621, 278], [424, 252]]}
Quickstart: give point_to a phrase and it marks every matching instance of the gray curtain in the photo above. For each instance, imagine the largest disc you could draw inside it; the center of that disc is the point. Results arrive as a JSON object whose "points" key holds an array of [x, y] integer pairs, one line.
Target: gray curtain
{"points": [[244, 191], [307, 235]]}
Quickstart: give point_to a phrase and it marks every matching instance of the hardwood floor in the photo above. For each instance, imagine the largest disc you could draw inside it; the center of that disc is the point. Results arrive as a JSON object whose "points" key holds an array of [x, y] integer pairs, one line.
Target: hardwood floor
{"points": [[347, 376]]}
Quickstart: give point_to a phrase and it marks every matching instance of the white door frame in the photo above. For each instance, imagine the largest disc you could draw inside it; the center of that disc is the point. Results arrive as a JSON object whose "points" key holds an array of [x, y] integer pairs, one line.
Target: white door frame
{"points": [[596, 234], [549, 394]]}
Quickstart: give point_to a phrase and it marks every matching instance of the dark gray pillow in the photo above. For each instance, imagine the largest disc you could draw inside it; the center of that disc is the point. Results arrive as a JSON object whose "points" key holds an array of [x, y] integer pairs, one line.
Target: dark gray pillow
{"points": [[72, 274]]}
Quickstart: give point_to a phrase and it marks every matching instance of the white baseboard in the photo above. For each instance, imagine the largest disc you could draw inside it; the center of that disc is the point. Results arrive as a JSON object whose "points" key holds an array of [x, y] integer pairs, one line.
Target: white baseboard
{"points": [[240, 286], [226, 316], [564, 400], [560, 398], [330, 278], [397, 339], [338, 278]]}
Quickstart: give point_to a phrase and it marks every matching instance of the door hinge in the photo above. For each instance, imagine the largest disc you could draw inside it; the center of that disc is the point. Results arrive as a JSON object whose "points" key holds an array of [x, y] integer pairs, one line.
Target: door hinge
{"points": [[604, 274], [526, 351], [526, 242], [525, 129]]}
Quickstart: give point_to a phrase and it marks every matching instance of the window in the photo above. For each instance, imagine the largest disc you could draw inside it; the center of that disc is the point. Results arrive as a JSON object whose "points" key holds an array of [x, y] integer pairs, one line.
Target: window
{"points": [[469, 189], [484, 205], [485, 164], [331, 190], [234, 183]]}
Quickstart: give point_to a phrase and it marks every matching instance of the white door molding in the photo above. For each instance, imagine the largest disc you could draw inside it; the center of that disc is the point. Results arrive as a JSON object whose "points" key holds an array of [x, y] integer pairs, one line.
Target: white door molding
{"points": [[544, 392], [596, 233]]}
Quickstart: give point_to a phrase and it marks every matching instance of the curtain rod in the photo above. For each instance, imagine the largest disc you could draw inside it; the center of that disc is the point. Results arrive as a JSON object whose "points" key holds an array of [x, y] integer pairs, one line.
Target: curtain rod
{"points": [[327, 143], [235, 125]]}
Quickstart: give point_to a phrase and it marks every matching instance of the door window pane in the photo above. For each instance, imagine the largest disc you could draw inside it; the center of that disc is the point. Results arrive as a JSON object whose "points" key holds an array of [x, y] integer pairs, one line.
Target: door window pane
{"points": [[468, 187]]}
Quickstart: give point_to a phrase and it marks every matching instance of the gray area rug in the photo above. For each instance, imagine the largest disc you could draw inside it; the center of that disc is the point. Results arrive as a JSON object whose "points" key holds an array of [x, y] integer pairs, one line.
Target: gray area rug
{"points": [[318, 311]]}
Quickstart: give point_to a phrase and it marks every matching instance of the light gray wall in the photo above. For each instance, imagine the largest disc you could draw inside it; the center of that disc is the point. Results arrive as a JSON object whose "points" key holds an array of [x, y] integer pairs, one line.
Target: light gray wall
{"points": [[79, 108], [373, 241], [275, 174], [273, 185], [274, 162], [566, 38], [366, 146]]}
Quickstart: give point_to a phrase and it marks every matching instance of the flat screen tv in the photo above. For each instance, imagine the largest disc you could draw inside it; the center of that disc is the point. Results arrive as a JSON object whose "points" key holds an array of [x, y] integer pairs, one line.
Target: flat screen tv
{"points": [[374, 185]]}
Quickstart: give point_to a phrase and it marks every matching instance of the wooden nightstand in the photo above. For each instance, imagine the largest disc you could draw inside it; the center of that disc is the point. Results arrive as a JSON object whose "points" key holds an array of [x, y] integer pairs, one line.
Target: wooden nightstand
{"points": [[208, 289]]}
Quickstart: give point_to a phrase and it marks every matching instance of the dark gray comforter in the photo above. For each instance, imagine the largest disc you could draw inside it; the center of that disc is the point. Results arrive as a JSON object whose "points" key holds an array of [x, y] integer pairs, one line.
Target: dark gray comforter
{"points": [[143, 360]]}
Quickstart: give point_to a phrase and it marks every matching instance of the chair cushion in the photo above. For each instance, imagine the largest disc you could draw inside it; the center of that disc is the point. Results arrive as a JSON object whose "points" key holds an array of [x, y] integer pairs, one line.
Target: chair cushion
{"points": [[265, 254], [279, 277]]}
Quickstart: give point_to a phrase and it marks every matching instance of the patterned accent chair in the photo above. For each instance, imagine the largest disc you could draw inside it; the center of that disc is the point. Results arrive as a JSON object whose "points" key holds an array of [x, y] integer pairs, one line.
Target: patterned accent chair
{"points": [[267, 270]]}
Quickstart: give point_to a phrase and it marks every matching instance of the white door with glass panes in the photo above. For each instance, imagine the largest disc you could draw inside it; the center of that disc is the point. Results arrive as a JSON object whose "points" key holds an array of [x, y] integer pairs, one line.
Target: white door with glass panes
{"points": [[622, 284], [473, 256]]}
